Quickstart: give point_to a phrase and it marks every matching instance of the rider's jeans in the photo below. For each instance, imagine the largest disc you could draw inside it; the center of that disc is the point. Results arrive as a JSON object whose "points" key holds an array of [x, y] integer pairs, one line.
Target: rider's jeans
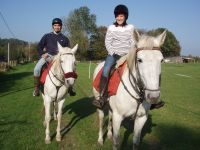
{"points": [[40, 63], [110, 61]]}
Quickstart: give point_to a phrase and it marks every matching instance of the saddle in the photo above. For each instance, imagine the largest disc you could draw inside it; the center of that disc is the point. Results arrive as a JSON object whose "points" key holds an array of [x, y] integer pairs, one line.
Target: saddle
{"points": [[114, 78]]}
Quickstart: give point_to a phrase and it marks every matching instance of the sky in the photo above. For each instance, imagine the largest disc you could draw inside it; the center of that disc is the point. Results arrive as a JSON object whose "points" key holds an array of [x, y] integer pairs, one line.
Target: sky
{"points": [[29, 20]]}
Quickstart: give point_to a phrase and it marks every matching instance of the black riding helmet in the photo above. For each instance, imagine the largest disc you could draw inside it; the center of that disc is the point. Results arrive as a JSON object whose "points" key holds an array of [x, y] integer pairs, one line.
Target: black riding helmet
{"points": [[57, 21], [121, 9]]}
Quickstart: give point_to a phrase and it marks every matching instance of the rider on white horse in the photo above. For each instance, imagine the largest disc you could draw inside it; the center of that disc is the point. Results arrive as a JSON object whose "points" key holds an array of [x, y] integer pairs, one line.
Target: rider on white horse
{"points": [[119, 38], [118, 41], [47, 49]]}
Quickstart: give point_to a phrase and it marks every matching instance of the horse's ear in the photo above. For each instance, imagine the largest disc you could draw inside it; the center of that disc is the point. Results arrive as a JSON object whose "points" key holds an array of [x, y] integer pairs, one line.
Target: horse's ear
{"points": [[136, 35], [75, 49], [60, 48], [161, 37]]}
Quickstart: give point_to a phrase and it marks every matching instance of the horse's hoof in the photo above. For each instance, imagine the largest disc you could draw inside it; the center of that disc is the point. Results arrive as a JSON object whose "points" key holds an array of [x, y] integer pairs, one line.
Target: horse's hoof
{"points": [[47, 141], [100, 142], [58, 139]]}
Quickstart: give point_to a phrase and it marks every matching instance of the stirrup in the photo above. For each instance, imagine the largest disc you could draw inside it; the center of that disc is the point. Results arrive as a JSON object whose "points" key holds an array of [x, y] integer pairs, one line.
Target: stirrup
{"points": [[99, 104]]}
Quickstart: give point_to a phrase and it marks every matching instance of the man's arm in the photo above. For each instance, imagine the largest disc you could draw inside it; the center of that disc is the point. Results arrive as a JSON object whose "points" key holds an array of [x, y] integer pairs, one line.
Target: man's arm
{"points": [[41, 46]]}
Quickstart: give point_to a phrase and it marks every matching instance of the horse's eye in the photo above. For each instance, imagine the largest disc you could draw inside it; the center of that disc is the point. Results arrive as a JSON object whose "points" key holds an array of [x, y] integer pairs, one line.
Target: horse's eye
{"points": [[139, 60], [61, 61]]}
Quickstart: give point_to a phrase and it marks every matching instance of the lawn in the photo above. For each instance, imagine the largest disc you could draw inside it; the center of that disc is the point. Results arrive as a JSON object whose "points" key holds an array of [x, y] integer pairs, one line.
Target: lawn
{"points": [[174, 127]]}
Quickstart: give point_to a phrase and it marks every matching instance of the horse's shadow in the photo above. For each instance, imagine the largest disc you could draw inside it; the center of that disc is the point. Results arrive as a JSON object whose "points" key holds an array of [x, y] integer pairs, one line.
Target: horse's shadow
{"points": [[81, 108], [128, 124]]}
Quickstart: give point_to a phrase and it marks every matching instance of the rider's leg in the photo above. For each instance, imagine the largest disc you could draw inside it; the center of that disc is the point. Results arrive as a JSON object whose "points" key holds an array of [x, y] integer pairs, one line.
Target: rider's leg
{"points": [[37, 71], [110, 61]]}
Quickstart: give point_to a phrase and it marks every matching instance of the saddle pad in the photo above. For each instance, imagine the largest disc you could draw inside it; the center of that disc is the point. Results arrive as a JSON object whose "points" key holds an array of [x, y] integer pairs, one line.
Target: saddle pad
{"points": [[113, 81], [44, 73]]}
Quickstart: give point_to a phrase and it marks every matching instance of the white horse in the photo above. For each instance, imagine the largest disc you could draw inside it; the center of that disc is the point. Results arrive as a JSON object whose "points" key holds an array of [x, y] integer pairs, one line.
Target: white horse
{"points": [[60, 77], [138, 89]]}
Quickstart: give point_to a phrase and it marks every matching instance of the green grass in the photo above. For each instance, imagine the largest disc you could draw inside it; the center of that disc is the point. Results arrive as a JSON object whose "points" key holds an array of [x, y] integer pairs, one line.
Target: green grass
{"points": [[174, 127]]}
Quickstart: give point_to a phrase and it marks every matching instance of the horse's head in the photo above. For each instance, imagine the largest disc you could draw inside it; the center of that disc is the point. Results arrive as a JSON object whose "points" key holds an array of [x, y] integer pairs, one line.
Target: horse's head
{"points": [[67, 63], [148, 64]]}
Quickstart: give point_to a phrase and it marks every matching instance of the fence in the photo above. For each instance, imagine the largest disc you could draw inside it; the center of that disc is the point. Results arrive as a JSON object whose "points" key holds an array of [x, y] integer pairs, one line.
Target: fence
{"points": [[4, 66]]}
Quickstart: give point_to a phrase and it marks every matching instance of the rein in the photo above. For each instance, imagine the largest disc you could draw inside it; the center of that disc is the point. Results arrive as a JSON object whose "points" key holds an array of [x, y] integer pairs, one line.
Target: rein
{"points": [[139, 86]]}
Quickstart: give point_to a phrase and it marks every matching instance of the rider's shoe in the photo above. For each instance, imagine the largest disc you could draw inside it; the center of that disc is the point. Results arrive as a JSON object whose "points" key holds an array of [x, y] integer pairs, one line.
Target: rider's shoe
{"points": [[158, 105], [71, 91], [99, 103]]}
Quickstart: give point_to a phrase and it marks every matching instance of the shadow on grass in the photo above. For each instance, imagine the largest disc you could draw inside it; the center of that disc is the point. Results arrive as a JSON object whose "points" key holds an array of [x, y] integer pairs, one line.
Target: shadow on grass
{"points": [[128, 124], [8, 80], [174, 137], [82, 108], [165, 137]]}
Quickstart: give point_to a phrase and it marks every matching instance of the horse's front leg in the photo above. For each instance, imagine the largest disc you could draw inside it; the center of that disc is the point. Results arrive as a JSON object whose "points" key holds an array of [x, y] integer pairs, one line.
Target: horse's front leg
{"points": [[109, 134], [47, 103], [138, 125], [59, 116], [100, 117], [116, 122], [54, 110]]}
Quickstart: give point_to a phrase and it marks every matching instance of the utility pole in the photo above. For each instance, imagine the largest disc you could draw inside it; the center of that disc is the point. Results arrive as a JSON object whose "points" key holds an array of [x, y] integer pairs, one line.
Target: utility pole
{"points": [[8, 54], [29, 49]]}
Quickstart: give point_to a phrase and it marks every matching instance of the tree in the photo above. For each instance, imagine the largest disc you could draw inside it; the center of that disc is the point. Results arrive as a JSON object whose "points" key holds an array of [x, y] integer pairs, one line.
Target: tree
{"points": [[79, 26], [171, 46], [97, 44]]}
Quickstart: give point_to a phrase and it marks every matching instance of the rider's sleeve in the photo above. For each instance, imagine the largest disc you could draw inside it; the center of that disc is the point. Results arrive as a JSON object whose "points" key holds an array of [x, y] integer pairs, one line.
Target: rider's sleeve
{"points": [[108, 41], [41, 45]]}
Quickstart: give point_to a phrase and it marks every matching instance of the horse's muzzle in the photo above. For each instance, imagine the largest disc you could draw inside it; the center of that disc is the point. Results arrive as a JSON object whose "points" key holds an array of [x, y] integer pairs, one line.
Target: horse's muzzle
{"points": [[152, 96]]}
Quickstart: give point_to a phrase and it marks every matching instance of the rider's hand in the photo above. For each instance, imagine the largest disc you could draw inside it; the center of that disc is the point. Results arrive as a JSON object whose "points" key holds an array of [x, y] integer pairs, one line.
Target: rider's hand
{"points": [[44, 55], [116, 56]]}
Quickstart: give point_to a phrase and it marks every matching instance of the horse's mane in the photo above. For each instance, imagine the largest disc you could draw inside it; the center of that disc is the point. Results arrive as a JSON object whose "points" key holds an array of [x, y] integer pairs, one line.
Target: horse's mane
{"points": [[145, 41], [56, 67]]}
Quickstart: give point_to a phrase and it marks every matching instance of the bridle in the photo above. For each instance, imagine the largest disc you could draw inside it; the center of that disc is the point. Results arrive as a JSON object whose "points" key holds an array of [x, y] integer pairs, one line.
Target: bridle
{"points": [[137, 83], [65, 76]]}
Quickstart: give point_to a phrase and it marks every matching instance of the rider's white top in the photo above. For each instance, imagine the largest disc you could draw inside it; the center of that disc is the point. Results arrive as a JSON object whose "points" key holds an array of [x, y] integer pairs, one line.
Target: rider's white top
{"points": [[119, 39]]}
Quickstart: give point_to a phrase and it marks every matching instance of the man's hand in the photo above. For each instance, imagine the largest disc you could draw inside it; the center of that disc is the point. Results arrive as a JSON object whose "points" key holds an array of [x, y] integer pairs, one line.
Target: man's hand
{"points": [[44, 55]]}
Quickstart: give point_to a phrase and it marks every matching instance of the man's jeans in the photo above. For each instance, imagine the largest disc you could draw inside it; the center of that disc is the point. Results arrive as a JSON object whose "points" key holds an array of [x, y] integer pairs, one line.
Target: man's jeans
{"points": [[40, 63]]}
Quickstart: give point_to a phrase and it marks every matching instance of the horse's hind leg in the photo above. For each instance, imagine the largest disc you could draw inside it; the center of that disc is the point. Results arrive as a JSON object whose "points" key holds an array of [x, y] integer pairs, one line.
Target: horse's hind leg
{"points": [[109, 134], [101, 117], [59, 116], [47, 103], [138, 125]]}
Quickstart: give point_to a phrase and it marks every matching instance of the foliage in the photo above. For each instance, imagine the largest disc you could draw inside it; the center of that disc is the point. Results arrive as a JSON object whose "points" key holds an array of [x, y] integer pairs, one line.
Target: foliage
{"points": [[171, 46], [97, 44], [79, 26]]}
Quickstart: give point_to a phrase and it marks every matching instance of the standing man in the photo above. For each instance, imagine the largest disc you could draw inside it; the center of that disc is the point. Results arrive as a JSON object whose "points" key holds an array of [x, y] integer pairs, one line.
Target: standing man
{"points": [[47, 49]]}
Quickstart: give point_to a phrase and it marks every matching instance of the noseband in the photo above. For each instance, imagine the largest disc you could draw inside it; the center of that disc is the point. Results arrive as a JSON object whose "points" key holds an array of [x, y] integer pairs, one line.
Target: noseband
{"points": [[69, 74]]}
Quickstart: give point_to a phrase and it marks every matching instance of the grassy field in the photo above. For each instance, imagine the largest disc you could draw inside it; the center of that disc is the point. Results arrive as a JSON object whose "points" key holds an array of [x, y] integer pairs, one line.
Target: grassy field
{"points": [[174, 127]]}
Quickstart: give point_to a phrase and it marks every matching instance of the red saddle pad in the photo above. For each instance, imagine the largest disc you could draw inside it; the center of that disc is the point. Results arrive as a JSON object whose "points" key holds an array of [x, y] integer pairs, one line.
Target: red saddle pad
{"points": [[44, 73], [113, 81]]}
